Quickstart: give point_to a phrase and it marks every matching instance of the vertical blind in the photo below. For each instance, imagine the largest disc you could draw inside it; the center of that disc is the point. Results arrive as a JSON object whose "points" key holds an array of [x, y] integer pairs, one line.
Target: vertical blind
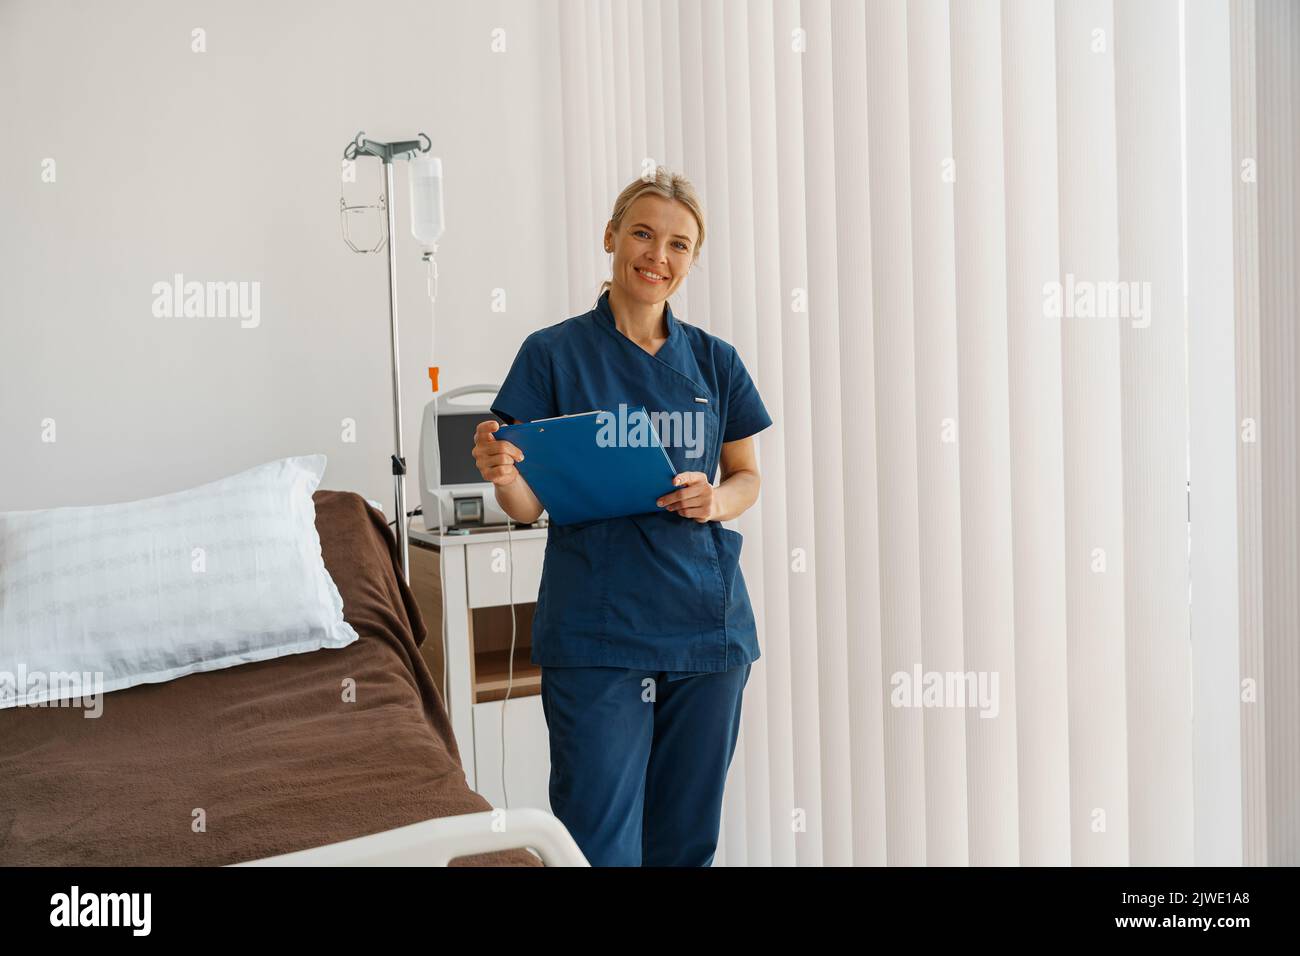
{"points": [[1088, 506]]}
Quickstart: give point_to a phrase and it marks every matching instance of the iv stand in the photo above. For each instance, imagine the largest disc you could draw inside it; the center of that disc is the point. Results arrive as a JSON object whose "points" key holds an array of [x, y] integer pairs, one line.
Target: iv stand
{"points": [[387, 152]]}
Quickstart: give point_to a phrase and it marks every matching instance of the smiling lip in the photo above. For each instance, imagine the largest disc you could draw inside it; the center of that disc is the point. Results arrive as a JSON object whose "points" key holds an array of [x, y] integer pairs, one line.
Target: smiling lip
{"points": [[642, 274]]}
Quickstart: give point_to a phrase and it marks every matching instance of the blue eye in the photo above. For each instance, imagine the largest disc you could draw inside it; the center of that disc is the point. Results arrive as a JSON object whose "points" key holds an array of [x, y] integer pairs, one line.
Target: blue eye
{"points": [[680, 245]]}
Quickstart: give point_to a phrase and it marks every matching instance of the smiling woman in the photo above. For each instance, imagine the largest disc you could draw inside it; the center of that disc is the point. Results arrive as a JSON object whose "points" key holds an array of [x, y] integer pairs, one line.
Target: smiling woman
{"points": [[631, 607], [654, 235]]}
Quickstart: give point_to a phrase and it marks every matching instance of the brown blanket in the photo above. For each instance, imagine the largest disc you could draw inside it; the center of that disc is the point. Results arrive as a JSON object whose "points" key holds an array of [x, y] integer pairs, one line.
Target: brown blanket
{"points": [[271, 753]]}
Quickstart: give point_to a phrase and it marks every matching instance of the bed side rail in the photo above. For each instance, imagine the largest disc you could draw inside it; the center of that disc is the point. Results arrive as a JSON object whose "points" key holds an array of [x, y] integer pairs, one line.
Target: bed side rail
{"points": [[437, 842]]}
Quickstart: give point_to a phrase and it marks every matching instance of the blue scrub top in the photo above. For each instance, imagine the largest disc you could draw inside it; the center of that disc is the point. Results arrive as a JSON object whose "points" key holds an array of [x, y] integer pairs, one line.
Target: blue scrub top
{"points": [[658, 590]]}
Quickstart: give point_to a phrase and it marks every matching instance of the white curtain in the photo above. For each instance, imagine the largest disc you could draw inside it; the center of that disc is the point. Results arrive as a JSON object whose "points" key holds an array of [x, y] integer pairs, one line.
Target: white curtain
{"points": [[1265, 91], [958, 482]]}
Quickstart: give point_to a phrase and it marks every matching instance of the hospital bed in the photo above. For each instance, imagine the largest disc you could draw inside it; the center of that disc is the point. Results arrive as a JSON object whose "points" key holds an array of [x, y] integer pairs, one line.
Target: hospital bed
{"points": [[340, 756]]}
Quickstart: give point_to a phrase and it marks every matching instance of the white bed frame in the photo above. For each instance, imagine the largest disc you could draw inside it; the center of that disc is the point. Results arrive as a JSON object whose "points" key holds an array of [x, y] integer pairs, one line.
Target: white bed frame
{"points": [[437, 842]]}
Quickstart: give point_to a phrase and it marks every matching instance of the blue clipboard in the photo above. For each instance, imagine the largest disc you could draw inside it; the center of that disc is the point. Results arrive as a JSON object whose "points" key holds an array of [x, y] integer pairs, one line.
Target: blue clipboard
{"points": [[578, 479]]}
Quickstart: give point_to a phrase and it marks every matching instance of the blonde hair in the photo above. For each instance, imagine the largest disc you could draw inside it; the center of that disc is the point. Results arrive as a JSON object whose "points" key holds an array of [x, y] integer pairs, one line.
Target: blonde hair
{"points": [[665, 183]]}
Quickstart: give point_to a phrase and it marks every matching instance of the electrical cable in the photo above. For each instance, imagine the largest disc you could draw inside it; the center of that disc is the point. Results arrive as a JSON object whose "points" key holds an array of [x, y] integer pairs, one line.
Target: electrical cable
{"points": [[510, 666]]}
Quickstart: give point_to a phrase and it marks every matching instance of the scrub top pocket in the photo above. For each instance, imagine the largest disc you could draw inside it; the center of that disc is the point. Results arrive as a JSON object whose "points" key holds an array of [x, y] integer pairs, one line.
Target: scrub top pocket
{"points": [[728, 544], [740, 613], [575, 577], [666, 583]]}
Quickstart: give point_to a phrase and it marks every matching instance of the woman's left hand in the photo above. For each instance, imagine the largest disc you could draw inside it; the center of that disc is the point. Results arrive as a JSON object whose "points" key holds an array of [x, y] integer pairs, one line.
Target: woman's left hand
{"points": [[694, 497]]}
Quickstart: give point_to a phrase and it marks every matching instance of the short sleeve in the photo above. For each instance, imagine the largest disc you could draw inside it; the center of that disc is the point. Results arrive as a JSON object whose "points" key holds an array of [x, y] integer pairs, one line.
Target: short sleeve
{"points": [[528, 392], [746, 414]]}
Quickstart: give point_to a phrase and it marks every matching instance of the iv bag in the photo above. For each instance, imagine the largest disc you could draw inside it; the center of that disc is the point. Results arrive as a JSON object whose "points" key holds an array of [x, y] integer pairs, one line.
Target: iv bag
{"points": [[426, 199]]}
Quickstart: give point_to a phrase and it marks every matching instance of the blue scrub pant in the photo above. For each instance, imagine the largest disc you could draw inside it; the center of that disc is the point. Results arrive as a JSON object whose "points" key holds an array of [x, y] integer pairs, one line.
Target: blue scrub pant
{"points": [[636, 776]]}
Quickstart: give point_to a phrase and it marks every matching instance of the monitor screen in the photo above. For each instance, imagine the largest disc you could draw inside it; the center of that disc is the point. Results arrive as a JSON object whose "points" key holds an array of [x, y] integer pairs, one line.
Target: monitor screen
{"points": [[455, 444]]}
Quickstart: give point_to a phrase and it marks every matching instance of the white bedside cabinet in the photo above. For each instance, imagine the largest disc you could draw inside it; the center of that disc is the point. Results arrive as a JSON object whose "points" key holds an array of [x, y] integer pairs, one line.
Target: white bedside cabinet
{"points": [[467, 577]]}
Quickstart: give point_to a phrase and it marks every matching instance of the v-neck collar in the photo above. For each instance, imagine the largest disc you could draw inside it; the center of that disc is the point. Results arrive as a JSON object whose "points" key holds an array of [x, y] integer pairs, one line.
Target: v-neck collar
{"points": [[607, 313], [675, 354]]}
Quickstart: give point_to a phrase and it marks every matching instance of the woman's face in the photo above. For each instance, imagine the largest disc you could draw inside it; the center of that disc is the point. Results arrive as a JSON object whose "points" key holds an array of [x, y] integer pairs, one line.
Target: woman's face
{"points": [[653, 248]]}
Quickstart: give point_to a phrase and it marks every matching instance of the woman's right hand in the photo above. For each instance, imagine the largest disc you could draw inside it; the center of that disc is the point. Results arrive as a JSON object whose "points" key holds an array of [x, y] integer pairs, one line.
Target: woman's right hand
{"points": [[495, 459]]}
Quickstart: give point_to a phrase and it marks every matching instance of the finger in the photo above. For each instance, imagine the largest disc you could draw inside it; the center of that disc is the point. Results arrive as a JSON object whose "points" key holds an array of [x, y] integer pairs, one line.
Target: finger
{"points": [[502, 474], [505, 448], [492, 448], [486, 428], [690, 508], [688, 494]]}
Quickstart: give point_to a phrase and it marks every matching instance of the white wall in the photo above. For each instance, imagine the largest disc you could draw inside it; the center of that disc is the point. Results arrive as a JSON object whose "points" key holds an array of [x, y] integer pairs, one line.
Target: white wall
{"points": [[224, 166]]}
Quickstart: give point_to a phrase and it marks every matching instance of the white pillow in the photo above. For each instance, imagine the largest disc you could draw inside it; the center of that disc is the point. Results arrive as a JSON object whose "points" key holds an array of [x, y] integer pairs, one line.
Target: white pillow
{"points": [[147, 591]]}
